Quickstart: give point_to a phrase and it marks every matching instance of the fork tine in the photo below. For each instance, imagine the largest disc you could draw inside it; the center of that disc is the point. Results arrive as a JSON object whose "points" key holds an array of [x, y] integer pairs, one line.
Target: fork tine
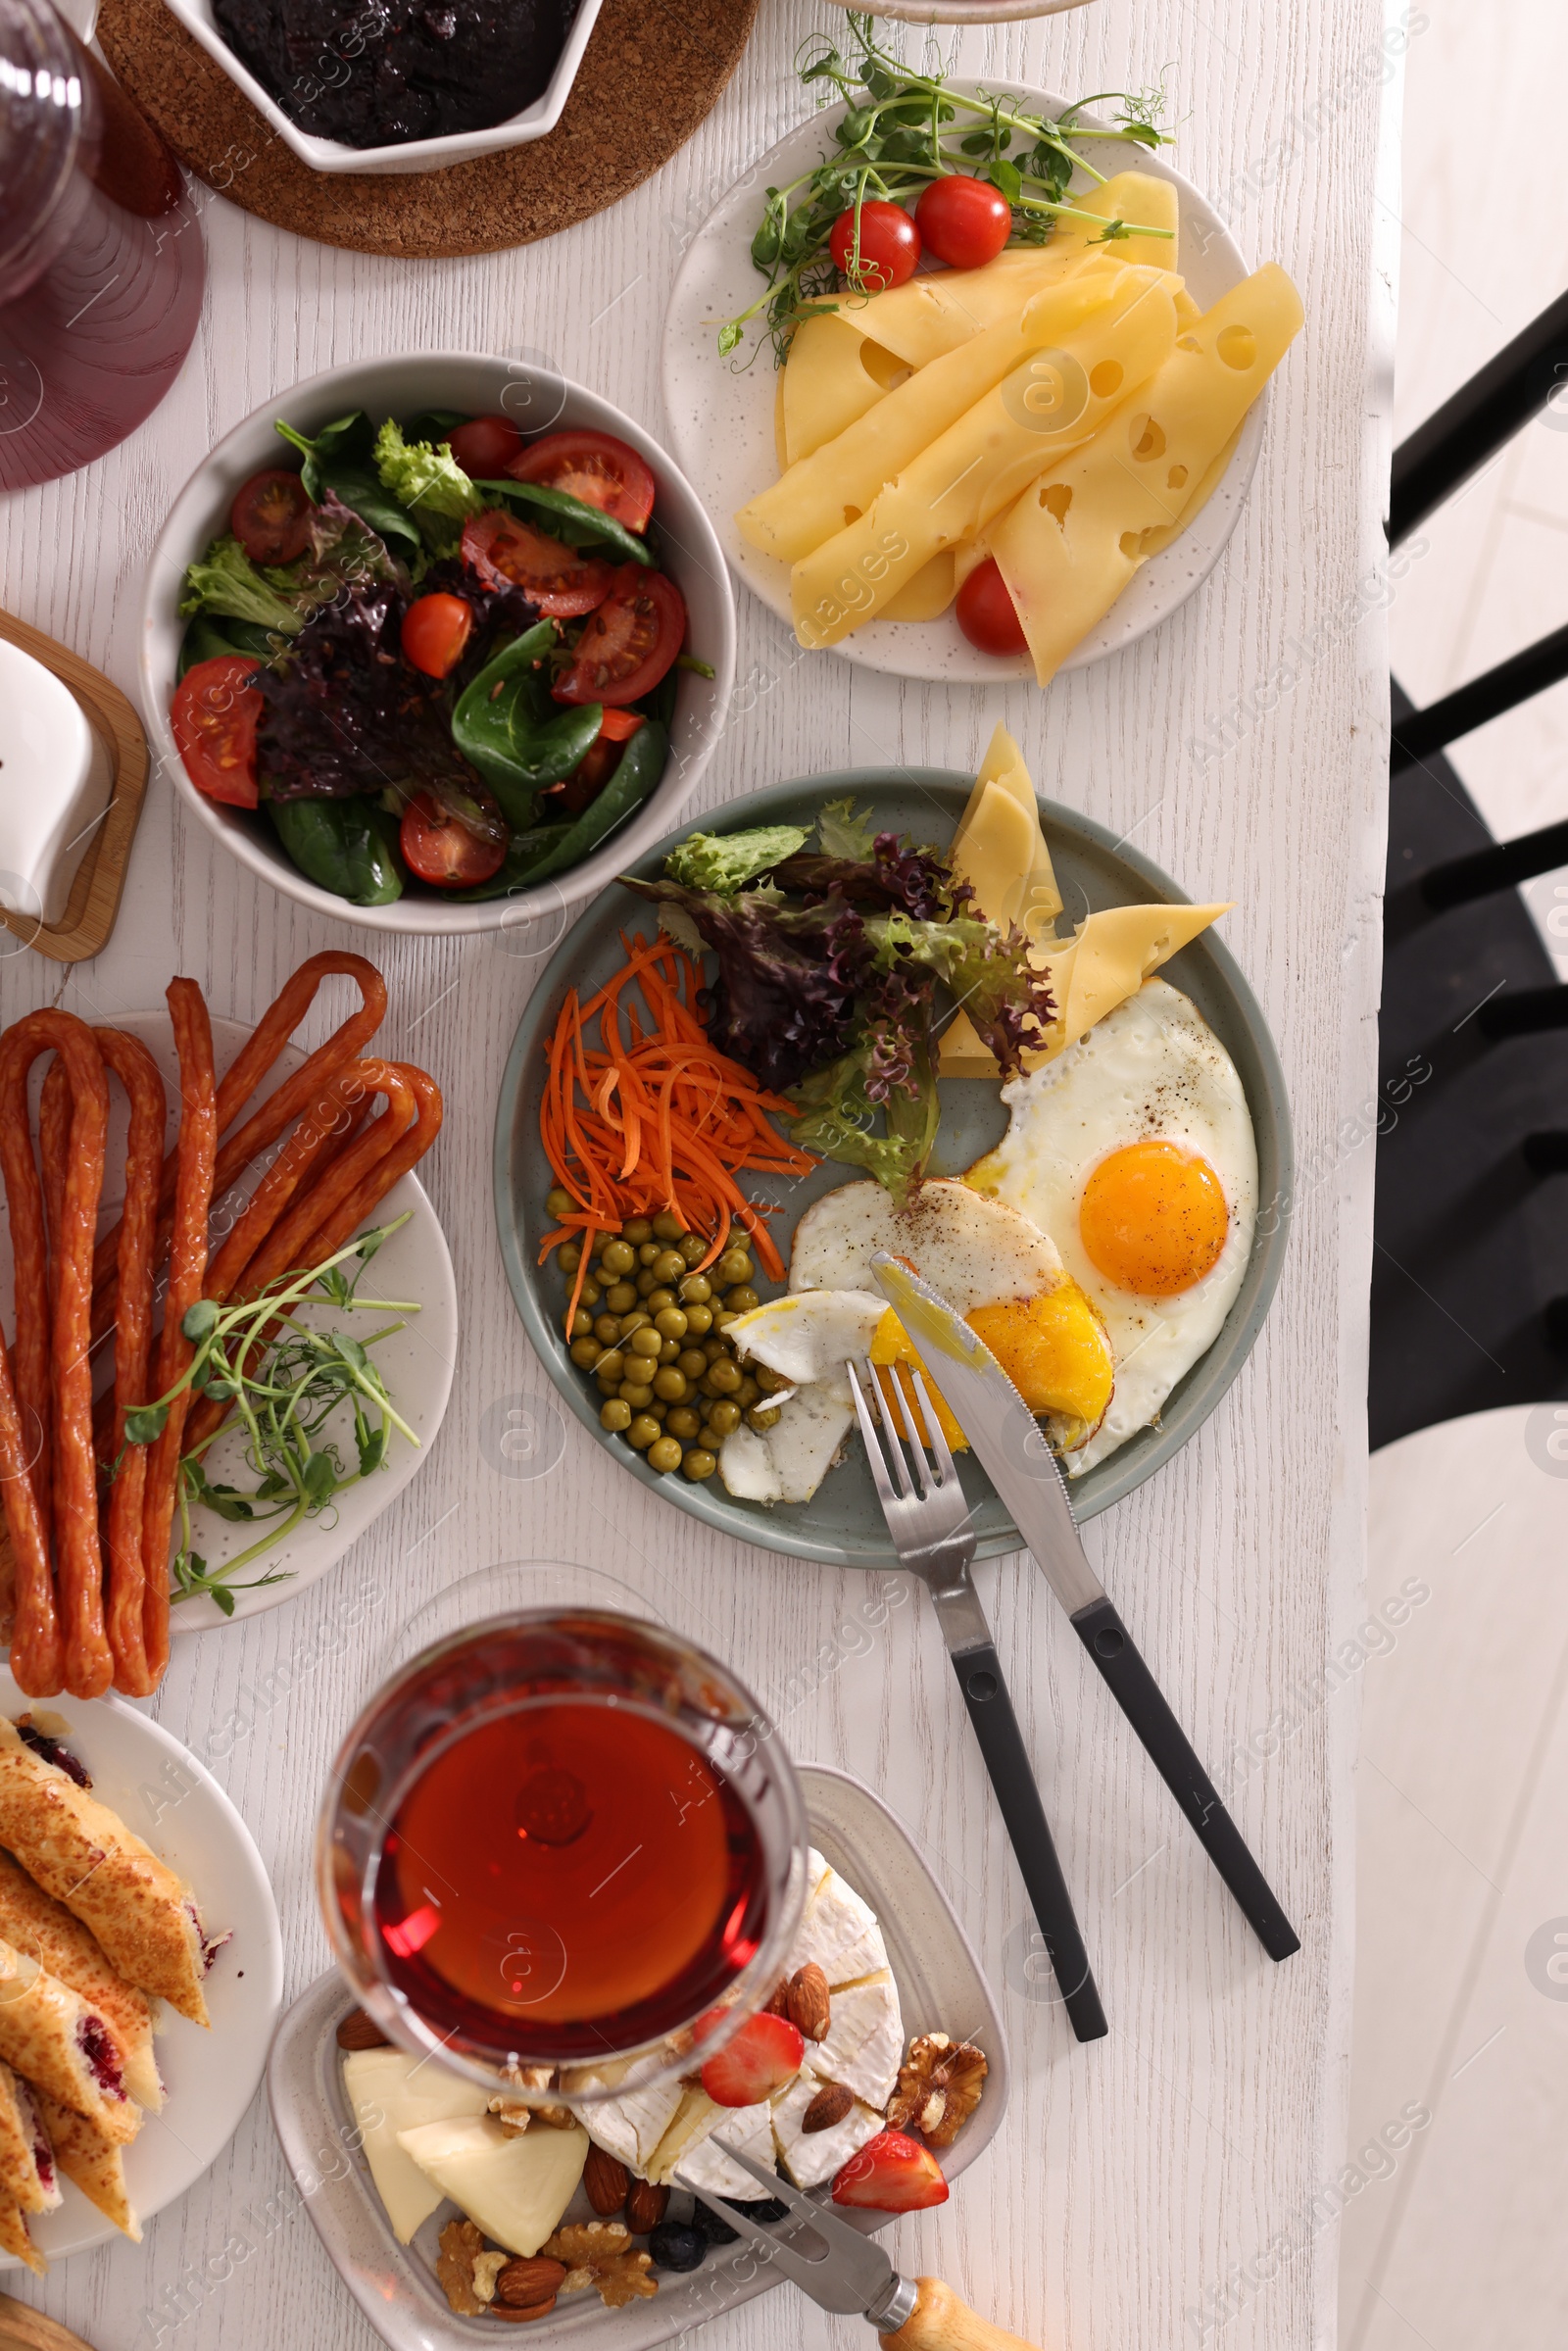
{"points": [[888, 1401], [866, 1413], [932, 1433]]}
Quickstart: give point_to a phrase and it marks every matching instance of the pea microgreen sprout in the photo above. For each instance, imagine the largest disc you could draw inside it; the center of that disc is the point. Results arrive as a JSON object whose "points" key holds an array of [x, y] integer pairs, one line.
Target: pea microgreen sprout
{"points": [[285, 1380], [902, 130]]}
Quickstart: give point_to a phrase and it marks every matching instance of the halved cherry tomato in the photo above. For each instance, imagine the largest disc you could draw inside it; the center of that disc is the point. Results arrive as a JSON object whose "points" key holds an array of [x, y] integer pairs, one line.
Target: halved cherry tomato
{"points": [[630, 641], [595, 768], [435, 629], [594, 467], [987, 613], [890, 245], [485, 447], [214, 715], [558, 580], [440, 848], [964, 222], [271, 517]]}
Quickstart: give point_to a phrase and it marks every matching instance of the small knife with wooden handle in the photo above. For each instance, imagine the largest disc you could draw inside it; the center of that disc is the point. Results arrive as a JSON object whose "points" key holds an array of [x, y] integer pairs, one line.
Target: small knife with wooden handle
{"points": [[855, 2275]]}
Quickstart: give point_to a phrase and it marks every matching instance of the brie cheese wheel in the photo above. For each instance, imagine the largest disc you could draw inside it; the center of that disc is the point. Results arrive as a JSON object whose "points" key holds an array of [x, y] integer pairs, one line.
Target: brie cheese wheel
{"points": [[705, 2164], [631, 2128], [812, 2156], [513, 2190], [391, 2091], [840, 1933], [694, 2119], [864, 2040]]}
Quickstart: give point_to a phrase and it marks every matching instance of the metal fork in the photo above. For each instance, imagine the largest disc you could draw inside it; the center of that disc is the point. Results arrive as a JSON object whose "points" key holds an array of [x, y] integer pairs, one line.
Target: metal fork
{"points": [[933, 1533]]}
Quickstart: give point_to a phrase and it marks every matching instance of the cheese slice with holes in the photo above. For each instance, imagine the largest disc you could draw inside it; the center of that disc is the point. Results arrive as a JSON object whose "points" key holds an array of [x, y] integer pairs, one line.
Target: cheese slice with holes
{"points": [[836, 483], [1054, 400], [812, 2156], [831, 376], [1112, 956], [1147, 206], [1069, 550], [865, 2040], [391, 2091], [928, 595]]}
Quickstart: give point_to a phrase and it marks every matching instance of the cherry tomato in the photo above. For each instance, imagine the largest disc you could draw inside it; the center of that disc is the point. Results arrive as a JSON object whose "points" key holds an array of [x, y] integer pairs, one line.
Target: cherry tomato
{"points": [[435, 629], [560, 581], [964, 222], [987, 613], [890, 245], [594, 467], [485, 447], [440, 848], [629, 643], [214, 715], [595, 768], [271, 517]]}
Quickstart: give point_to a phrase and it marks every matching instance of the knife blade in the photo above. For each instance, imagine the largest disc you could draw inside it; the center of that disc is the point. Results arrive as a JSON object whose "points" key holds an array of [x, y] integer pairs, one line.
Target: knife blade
{"points": [[1012, 1450]]}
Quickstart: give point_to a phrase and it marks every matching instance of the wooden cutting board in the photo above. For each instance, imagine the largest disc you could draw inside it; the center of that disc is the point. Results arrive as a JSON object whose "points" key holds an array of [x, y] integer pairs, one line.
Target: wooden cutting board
{"points": [[23, 2328], [611, 136]]}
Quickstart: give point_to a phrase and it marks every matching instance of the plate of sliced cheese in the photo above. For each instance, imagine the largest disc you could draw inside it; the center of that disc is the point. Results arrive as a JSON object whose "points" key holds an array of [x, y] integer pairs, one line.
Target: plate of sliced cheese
{"points": [[440, 2215], [1086, 412]]}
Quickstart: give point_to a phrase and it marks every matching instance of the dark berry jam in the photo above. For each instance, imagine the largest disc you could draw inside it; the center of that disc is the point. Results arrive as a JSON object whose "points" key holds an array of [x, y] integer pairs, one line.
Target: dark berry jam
{"points": [[51, 1750], [97, 2045]]}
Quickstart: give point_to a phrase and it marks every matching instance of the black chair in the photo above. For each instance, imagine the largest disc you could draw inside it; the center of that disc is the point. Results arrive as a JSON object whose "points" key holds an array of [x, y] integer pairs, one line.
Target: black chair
{"points": [[1470, 1272]]}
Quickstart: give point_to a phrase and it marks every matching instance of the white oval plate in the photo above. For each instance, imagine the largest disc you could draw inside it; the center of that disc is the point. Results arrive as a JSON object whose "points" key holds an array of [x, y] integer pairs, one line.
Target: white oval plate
{"points": [[721, 416], [175, 1806], [416, 1361]]}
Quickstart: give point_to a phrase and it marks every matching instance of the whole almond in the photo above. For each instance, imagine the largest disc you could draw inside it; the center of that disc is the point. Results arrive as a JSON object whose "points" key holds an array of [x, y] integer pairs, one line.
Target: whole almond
{"points": [[531, 2310], [524, 2283], [831, 2105], [779, 2004], [809, 2002], [605, 2180], [360, 2031], [645, 2206]]}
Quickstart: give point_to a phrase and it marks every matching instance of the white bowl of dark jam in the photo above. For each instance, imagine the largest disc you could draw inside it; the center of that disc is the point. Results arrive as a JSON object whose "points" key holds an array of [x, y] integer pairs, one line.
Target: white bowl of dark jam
{"points": [[397, 86]]}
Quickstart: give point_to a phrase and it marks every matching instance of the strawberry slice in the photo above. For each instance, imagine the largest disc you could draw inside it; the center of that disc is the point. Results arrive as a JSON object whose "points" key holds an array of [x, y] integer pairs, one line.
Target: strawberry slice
{"points": [[890, 2174], [765, 2055]]}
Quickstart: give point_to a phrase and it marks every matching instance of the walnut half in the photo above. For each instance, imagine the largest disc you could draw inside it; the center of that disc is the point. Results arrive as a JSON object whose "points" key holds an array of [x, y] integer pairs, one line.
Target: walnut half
{"points": [[600, 2253], [939, 2085], [461, 2248]]}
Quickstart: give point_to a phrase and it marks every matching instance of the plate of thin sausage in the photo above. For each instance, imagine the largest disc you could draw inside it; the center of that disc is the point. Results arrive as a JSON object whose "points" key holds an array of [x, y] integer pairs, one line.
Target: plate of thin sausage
{"points": [[148, 1165]]}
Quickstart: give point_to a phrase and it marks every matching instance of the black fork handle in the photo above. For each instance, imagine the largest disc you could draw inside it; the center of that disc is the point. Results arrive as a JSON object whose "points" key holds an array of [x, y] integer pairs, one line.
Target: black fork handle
{"points": [[1006, 1760]]}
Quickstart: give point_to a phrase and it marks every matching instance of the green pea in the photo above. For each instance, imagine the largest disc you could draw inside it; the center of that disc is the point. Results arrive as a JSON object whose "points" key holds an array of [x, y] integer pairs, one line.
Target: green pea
{"points": [[667, 1226], [637, 1394], [734, 1266], [699, 1463], [709, 1437], [722, 1417], [643, 1431], [748, 1392], [637, 1230], [715, 1350], [636, 1320], [692, 1248], [672, 1384], [683, 1422], [763, 1416], [724, 1319], [723, 1377], [569, 1256], [644, 1340], [769, 1380], [589, 1295], [692, 1362], [611, 1364], [586, 1353], [647, 1252], [647, 1283], [699, 1320], [607, 1329], [665, 1455], [615, 1416], [657, 1300], [741, 1300], [618, 1257], [620, 1298], [670, 1322], [559, 1201], [696, 1289], [582, 1325]]}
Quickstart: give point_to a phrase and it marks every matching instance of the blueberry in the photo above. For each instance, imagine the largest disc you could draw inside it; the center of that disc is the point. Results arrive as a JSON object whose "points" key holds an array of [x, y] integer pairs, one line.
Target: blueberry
{"points": [[764, 2208], [676, 2248], [709, 2225]]}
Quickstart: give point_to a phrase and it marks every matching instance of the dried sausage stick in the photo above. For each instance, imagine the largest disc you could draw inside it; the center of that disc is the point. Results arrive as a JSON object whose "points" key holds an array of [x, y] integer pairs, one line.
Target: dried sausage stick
{"points": [[339, 1099], [133, 1065], [37, 1654], [20, 1048], [196, 1155], [406, 1153], [54, 1156]]}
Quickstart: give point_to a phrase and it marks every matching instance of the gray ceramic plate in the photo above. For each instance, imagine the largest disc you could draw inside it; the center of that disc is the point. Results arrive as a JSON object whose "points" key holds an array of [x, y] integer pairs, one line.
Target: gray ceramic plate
{"points": [[841, 1526]]}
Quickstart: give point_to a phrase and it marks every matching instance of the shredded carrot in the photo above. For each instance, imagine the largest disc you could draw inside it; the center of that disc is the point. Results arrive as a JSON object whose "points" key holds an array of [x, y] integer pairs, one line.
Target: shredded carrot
{"points": [[652, 1120]]}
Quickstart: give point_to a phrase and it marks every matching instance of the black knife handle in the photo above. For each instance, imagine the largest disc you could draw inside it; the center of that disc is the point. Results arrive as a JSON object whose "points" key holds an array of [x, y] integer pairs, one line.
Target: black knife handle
{"points": [[1006, 1760], [1141, 1699]]}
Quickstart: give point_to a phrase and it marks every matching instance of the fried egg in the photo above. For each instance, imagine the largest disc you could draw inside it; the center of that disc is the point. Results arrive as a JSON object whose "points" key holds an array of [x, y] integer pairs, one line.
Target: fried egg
{"points": [[994, 1264], [1134, 1151], [805, 1340]]}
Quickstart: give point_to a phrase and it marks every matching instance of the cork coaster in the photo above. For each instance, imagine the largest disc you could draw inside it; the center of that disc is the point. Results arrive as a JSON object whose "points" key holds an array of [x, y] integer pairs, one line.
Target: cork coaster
{"points": [[610, 139]]}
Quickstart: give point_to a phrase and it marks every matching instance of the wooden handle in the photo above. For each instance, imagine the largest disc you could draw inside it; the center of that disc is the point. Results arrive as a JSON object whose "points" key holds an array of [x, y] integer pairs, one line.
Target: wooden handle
{"points": [[24, 2329], [939, 2322]]}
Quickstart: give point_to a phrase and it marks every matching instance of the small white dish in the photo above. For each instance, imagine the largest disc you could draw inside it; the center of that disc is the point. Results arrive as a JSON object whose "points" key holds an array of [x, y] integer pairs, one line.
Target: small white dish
{"points": [[412, 155], [721, 414], [538, 400], [416, 1361], [174, 1805], [941, 1988], [56, 776]]}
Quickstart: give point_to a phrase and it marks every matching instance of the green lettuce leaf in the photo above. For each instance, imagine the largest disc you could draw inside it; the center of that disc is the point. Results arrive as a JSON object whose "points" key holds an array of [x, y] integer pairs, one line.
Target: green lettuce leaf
{"points": [[426, 478], [843, 834], [226, 581], [722, 863]]}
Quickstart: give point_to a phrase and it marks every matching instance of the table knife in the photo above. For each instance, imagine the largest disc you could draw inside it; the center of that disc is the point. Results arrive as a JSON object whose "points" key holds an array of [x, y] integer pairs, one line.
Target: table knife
{"points": [[1012, 1451], [853, 2275]]}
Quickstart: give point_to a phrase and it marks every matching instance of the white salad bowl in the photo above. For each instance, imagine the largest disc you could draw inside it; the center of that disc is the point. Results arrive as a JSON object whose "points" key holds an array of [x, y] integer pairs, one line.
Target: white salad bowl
{"points": [[537, 401], [409, 155]]}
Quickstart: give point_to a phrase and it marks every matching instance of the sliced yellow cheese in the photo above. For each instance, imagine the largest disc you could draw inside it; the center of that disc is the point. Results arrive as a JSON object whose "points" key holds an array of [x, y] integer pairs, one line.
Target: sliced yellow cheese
{"points": [[996, 853], [1137, 198], [826, 383], [928, 595], [1055, 400], [1040, 901], [840, 478], [1070, 548], [391, 2091], [1109, 959], [513, 2190]]}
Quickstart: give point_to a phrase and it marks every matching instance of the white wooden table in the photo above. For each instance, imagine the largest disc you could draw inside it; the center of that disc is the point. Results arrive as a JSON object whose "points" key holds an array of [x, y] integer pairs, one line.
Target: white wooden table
{"points": [[1176, 2182]]}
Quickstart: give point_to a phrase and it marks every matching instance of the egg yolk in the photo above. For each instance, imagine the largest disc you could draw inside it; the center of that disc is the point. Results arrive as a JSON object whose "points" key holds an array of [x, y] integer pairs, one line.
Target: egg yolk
{"points": [[1055, 1350], [1154, 1218], [891, 1348]]}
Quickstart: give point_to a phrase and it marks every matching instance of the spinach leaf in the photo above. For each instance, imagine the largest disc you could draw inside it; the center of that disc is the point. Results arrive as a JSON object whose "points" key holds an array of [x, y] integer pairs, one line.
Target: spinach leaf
{"points": [[345, 846], [506, 725], [575, 520], [642, 764], [340, 459]]}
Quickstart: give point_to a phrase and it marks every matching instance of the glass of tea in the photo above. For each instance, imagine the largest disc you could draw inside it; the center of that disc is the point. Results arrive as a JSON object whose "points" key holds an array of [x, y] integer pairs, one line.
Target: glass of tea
{"points": [[562, 1846]]}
